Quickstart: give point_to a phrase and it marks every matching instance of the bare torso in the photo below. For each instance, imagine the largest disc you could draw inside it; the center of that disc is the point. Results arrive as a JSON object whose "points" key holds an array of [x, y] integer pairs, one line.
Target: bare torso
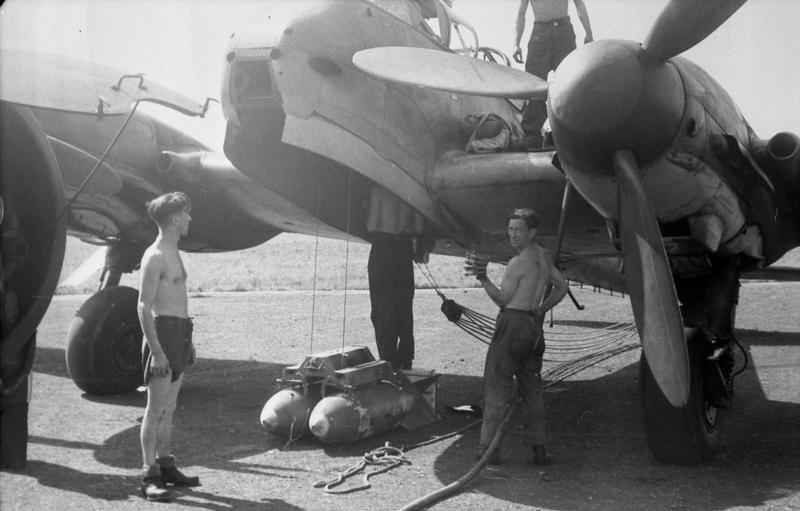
{"points": [[170, 297], [546, 10], [533, 270]]}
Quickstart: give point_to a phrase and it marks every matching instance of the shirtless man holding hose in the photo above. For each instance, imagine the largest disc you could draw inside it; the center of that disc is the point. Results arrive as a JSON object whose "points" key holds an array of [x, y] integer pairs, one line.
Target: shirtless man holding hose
{"points": [[517, 345]]}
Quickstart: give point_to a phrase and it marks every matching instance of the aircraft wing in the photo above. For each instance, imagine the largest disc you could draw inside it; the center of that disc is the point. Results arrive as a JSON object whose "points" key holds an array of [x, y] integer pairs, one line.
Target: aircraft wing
{"points": [[78, 157]]}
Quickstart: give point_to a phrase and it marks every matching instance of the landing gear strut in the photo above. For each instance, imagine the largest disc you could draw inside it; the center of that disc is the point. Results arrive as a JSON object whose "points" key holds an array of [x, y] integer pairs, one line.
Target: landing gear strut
{"points": [[104, 342]]}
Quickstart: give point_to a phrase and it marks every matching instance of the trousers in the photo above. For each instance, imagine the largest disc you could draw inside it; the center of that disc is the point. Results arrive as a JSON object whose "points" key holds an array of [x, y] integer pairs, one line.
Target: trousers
{"points": [[391, 294], [548, 45], [515, 353]]}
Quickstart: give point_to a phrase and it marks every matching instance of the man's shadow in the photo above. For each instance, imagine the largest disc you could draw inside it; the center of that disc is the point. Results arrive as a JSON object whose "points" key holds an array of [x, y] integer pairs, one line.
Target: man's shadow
{"points": [[120, 488]]}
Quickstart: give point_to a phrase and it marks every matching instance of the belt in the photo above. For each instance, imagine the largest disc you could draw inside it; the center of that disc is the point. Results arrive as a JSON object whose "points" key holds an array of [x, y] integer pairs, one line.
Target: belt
{"points": [[554, 22], [518, 311]]}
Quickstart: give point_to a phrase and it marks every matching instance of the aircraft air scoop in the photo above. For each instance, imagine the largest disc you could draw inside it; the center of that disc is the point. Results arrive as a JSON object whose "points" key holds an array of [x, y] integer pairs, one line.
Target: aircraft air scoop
{"points": [[440, 70]]}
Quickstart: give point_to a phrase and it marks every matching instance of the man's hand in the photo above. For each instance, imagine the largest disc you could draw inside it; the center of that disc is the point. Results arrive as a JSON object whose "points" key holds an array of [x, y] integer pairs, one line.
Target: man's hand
{"points": [[475, 266], [588, 39], [518, 55], [160, 365]]}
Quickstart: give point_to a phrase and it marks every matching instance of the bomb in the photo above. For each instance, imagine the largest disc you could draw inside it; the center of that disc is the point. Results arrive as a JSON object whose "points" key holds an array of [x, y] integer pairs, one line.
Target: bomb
{"points": [[286, 413], [351, 416], [346, 395]]}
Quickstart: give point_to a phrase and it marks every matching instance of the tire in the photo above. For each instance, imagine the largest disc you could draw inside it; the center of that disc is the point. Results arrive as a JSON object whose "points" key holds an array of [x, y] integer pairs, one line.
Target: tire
{"points": [[688, 435], [104, 343]]}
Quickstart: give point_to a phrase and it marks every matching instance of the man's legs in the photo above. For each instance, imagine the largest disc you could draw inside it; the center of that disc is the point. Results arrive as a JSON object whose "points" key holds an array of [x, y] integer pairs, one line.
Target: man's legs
{"points": [[547, 47], [405, 313], [156, 432], [537, 62], [498, 385], [531, 391]]}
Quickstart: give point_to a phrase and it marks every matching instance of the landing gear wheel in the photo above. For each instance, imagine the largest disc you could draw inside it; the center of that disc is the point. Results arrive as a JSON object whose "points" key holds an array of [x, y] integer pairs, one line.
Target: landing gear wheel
{"points": [[688, 435], [104, 343]]}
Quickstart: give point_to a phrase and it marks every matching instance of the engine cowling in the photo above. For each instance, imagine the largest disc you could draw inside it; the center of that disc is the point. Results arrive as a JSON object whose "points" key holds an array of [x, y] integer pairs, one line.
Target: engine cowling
{"points": [[33, 231]]}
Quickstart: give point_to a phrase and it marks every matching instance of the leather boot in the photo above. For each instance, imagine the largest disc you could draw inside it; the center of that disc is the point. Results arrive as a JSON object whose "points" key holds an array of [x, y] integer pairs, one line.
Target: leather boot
{"points": [[171, 475], [152, 488]]}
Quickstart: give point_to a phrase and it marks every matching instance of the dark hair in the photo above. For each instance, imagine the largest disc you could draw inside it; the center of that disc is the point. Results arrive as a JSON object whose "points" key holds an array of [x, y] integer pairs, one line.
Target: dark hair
{"points": [[528, 215], [164, 206]]}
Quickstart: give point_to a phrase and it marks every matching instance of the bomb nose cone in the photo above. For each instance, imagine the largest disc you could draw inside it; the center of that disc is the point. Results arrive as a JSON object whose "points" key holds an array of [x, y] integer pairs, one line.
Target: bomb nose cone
{"points": [[269, 419], [286, 412], [335, 420], [605, 97], [319, 424]]}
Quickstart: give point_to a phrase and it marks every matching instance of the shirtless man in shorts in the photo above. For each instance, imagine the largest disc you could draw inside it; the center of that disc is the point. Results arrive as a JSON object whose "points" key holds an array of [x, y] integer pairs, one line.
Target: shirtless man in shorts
{"points": [[517, 345], [168, 349]]}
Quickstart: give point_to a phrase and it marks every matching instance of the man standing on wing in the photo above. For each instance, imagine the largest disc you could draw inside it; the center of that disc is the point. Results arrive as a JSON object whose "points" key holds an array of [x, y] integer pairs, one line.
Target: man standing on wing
{"points": [[552, 39], [517, 345], [168, 348]]}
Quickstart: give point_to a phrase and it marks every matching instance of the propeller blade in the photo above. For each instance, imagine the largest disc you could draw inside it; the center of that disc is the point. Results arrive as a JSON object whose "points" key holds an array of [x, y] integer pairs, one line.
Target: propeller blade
{"points": [[684, 23], [441, 70], [650, 285]]}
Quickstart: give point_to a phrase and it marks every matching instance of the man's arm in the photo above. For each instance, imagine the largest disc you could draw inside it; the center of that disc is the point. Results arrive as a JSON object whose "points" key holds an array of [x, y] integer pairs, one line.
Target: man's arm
{"points": [[557, 291], [583, 15], [151, 274], [519, 28]]}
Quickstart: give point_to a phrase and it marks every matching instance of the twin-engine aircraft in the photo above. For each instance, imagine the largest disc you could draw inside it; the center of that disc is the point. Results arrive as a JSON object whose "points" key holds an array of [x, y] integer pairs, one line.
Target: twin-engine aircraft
{"points": [[657, 187]]}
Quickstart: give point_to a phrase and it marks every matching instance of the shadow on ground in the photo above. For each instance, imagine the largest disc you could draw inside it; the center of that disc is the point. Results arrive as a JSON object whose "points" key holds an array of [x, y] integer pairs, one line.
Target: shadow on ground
{"points": [[601, 457]]}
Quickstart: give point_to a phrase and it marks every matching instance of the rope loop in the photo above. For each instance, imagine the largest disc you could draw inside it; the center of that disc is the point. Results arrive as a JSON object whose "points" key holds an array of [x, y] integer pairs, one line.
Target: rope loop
{"points": [[386, 457]]}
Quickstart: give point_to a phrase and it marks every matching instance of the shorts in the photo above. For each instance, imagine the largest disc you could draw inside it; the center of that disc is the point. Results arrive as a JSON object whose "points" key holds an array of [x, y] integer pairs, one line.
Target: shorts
{"points": [[175, 337]]}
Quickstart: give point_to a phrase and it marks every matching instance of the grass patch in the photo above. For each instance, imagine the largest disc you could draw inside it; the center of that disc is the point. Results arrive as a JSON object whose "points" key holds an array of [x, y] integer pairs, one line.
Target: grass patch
{"points": [[287, 262]]}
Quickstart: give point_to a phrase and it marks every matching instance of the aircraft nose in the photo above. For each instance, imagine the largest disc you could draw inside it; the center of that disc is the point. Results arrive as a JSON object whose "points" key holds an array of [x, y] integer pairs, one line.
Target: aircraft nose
{"points": [[606, 96]]}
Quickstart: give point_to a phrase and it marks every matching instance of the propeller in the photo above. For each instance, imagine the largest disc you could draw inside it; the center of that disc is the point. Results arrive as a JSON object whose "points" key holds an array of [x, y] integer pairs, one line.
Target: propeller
{"points": [[650, 285], [684, 23], [441, 70]]}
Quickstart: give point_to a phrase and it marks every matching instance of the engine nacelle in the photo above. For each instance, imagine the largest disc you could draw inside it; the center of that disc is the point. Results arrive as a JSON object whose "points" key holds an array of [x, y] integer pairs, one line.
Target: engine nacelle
{"points": [[33, 229]]}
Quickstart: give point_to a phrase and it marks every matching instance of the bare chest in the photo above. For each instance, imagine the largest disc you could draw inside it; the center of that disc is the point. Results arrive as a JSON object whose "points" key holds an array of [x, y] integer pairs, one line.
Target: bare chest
{"points": [[545, 10]]}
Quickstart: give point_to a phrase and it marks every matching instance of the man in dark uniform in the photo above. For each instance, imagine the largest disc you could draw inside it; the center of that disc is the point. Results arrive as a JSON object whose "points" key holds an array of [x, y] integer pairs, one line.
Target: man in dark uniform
{"points": [[552, 39], [393, 229], [517, 345]]}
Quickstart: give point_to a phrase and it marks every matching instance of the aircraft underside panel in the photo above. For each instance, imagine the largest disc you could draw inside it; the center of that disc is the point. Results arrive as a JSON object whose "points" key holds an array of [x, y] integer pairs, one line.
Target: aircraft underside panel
{"points": [[323, 137]]}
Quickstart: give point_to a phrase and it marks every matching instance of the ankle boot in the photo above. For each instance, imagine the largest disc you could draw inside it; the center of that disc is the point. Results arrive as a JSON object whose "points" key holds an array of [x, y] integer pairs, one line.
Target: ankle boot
{"points": [[171, 475], [152, 488]]}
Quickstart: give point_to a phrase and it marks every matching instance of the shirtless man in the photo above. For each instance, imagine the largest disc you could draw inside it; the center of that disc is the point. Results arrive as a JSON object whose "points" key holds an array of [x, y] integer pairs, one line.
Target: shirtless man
{"points": [[168, 349], [552, 39], [517, 345], [393, 227]]}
